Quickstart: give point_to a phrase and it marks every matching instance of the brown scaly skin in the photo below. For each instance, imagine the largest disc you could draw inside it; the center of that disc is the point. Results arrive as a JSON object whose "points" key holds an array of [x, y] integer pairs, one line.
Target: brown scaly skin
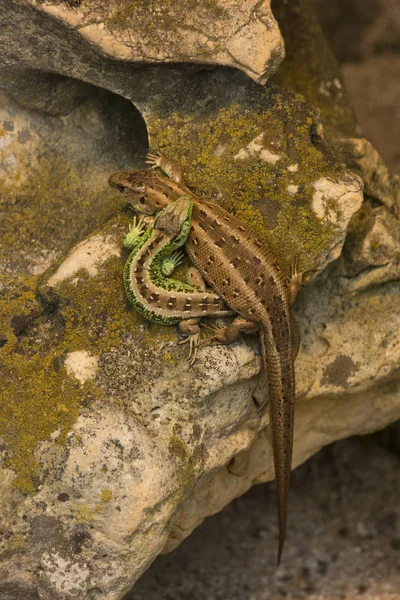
{"points": [[157, 297], [240, 269]]}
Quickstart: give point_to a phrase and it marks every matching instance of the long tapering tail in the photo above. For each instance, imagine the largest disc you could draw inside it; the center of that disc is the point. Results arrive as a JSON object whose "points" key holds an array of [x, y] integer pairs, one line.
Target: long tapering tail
{"points": [[279, 368]]}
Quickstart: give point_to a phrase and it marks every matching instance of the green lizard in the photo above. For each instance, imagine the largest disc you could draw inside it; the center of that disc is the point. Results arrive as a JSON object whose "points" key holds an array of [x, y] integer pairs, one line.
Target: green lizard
{"points": [[154, 255]]}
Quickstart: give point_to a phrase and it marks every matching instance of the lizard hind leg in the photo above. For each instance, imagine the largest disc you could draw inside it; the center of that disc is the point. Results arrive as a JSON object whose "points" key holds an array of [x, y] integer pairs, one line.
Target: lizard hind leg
{"points": [[297, 280], [170, 263], [191, 329], [228, 335]]}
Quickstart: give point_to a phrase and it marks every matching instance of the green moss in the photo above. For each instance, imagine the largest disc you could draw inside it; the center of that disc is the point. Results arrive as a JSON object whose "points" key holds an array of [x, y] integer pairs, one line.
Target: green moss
{"points": [[186, 472], [16, 543], [177, 448], [95, 311]]}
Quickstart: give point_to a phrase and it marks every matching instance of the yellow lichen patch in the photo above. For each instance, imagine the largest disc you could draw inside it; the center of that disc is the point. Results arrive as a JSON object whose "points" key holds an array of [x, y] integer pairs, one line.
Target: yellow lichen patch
{"points": [[84, 514], [155, 16], [228, 166], [177, 448], [59, 193], [37, 396], [186, 473], [106, 496], [35, 400]]}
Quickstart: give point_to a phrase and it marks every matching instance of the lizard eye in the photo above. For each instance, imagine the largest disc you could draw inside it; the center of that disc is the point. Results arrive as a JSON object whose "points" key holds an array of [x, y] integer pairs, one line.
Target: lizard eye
{"points": [[121, 189], [142, 200]]}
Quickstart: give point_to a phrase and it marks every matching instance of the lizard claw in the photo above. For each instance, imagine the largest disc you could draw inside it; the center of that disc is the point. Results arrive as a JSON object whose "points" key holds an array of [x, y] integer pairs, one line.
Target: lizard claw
{"points": [[135, 232], [193, 341], [137, 224], [218, 331], [170, 263], [294, 267], [153, 159]]}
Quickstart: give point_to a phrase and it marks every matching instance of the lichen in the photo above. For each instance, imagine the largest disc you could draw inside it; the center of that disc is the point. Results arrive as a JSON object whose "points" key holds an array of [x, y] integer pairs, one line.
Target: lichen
{"points": [[106, 496], [37, 396], [339, 371], [95, 311], [246, 186], [177, 448], [84, 514], [186, 473], [58, 193], [156, 18]]}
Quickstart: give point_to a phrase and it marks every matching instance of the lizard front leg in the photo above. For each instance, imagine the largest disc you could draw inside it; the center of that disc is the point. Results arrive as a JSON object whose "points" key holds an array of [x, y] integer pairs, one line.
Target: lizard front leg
{"points": [[170, 167]]}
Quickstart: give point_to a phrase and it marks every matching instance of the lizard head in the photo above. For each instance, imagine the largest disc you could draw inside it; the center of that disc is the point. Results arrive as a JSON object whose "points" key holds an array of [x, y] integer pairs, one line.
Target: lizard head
{"points": [[142, 189]]}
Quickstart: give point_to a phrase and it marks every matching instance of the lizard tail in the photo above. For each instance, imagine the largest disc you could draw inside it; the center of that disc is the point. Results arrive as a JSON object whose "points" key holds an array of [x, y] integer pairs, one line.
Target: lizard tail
{"points": [[278, 365]]}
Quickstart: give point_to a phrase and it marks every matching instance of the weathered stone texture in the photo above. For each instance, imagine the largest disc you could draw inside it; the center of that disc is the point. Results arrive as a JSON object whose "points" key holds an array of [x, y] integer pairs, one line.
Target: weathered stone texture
{"points": [[113, 450]]}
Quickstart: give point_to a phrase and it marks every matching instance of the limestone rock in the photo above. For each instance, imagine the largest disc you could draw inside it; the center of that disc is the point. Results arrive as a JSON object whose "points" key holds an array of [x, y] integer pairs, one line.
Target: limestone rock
{"points": [[380, 183], [126, 429], [113, 450], [53, 175], [72, 39], [226, 32], [372, 251]]}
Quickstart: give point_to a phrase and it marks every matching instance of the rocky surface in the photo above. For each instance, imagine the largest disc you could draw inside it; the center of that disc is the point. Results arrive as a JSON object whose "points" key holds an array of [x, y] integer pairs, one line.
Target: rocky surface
{"points": [[106, 385], [227, 32], [343, 544], [97, 41], [113, 449]]}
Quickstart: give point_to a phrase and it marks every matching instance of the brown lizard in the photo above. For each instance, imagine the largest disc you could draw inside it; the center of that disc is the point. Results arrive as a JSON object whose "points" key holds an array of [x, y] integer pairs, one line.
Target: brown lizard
{"points": [[242, 271]]}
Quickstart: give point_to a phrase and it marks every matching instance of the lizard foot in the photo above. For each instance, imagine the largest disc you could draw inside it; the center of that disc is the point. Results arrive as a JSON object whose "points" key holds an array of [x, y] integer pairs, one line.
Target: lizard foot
{"points": [[193, 341], [296, 279], [154, 160], [135, 232], [170, 263], [219, 332], [170, 167], [231, 333]]}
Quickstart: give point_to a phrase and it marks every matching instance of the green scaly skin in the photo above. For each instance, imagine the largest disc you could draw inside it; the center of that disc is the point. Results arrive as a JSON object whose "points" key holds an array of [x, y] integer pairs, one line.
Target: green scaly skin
{"points": [[163, 263]]}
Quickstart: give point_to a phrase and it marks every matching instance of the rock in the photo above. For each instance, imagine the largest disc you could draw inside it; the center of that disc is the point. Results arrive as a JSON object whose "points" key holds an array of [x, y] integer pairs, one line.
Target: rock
{"points": [[226, 32], [380, 183], [87, 39], [54, 169], [113, 450], [372, 251], [125, 425]]}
